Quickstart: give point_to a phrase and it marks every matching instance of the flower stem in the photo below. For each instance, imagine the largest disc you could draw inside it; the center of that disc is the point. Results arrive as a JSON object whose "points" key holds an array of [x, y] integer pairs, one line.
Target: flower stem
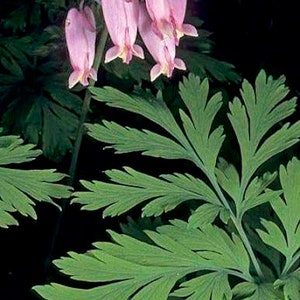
{"points": [[77, 146]]}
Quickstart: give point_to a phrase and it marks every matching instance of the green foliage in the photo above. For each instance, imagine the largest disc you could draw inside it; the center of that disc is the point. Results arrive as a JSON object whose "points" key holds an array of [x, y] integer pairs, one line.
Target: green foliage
{"points": [[35, 102], [286, 239], [213, 255], [165, 193], [150, 271], [20, 188]]}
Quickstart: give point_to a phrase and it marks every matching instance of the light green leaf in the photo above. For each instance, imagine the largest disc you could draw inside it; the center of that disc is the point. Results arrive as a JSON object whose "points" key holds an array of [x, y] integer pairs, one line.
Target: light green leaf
{"points": [[222, 251], [144, 104], [149, 143], [204, 214], [211, 286], [136, 270], [19, 189], [263, 107], [252, 291], [287, 239], [137, 228], [273, 257], [228, 178], [203, 110], [259, 185], [199, 142], [290, 285], [13, 151], [131, 188], [257, 192]]}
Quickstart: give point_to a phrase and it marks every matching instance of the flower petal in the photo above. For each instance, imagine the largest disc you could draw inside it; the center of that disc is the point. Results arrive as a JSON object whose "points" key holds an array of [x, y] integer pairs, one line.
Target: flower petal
{"points": [[121, 18], [80, 30]]}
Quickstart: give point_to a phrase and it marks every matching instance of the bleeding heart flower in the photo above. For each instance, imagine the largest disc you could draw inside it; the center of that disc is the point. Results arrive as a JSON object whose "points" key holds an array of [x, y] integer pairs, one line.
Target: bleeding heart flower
{"points": [[168, 17], [121, 18], [80, 29], [162, 50]]}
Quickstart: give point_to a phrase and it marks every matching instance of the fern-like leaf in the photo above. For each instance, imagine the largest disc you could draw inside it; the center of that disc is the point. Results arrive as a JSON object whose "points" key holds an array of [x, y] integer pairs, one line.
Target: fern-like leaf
{"points": [[263, 107], [197, 143], [286, 240], [20, 188], [152, 144], [211, 286], [197, 126], [136, 270], [131, 188], [290, 284], [252, 291]]}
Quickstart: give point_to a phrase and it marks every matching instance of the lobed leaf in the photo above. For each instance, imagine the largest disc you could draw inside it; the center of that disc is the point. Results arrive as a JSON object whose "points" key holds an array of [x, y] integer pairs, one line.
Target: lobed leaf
{"points": [[135, 270], [19, 189], [131, 188], [126, 139], [287, 239], [252, 291], [211, 286], [262, 109]]}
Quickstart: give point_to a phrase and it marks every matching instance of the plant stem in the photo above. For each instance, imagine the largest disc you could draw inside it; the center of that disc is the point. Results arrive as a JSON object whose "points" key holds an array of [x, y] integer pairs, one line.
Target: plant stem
{"points": [[239, 227], [236, 221], [244, 238], [77, 145], [289, 264]]}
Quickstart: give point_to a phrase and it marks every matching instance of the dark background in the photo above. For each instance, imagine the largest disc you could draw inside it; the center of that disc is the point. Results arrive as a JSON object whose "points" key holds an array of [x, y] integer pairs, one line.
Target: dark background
{"points": [[250, 34]]}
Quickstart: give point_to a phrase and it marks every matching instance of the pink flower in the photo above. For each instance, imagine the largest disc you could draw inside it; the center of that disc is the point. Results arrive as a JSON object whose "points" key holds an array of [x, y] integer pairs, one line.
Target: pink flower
{"points": [[168, 17], [162, 50], [121, 18], [80, 31]]}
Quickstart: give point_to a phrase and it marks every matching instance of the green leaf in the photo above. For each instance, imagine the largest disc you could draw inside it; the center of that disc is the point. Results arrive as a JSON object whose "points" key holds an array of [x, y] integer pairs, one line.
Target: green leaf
{"points": [[136, 270], [287, 239], [13, 68], [152, 144], [252, 291], [228, 178], [13, 151], [131, 188], [212, 286], [18, 49], [253, 118], [198, 127], [198, 143], [144, 104], [290, 285], [204, 214], [262, 109], [137, 228], [19, 189], [254, 195], [222, 251]]}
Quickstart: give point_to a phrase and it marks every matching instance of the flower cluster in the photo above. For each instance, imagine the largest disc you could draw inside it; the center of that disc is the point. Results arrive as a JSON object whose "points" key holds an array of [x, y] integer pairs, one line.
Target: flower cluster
{"points": [[160, 24]]}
